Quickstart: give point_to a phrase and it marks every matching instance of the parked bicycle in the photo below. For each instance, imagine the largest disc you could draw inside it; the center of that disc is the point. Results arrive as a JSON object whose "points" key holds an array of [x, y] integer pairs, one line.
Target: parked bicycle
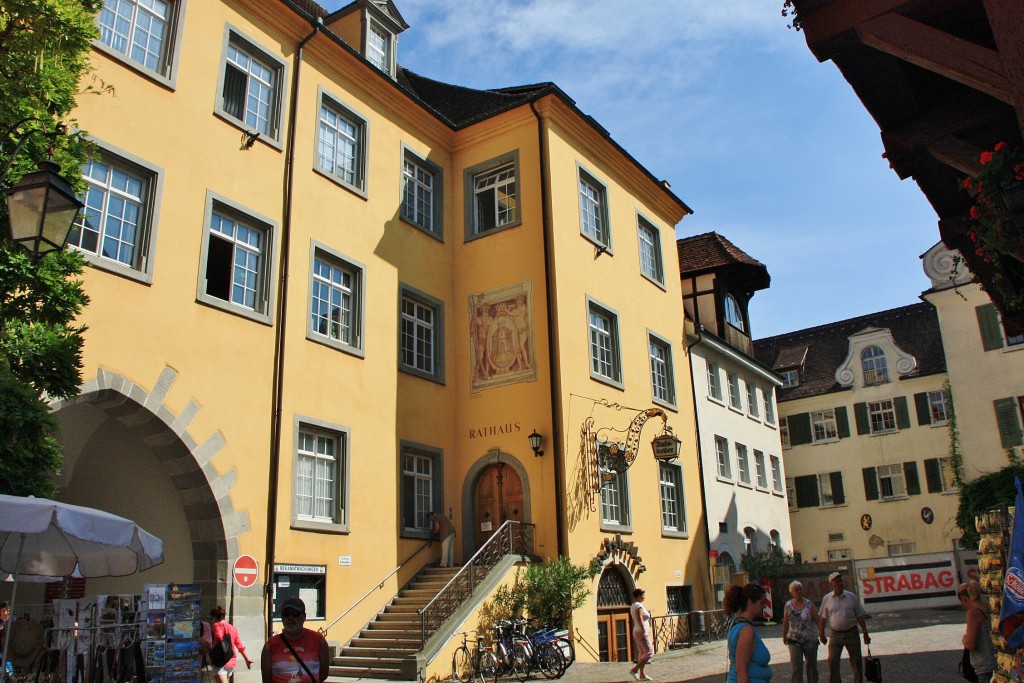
{"points": [[543, 652], [511, 648], [474, 662]]}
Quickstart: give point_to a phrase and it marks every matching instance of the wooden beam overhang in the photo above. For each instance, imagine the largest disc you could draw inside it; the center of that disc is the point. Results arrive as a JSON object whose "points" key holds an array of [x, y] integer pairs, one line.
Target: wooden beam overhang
{"points": [[1007, 23], [822, 26]]}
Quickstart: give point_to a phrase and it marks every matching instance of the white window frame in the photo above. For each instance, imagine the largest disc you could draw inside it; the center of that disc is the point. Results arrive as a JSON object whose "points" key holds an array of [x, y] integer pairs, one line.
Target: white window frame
{"points": [[342, 143], [823, 426], [605, 351], [714, 381], [760, 470], [593, 204], [663, 384], [900, 548], [380, 56], [790, 378], [124, 26], [264, 69], [769, 405], [415, 331], [825, 497], [752, 402], [321, 325], [220, 208], [742, 464], [422, 193], [749, 541], [615, 514], [778, 483], [735, 398], [891, 482], [649, 240], [784, 432], [487, 178], [338, 495], [839, 554], [673, 509], [874, 365], [422, 488], [938, 407], [98, 198], [882, 414], [723, 457], [947, 474], [733, 313], [791, 494]]}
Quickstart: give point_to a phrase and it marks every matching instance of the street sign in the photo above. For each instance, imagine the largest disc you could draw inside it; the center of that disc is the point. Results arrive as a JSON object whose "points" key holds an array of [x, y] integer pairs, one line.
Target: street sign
{"points": [[246, 571]]}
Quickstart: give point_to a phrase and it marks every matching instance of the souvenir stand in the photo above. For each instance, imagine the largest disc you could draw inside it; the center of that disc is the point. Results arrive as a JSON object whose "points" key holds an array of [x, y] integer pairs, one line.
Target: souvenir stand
{"points": [[128, 638], [993, 551]]}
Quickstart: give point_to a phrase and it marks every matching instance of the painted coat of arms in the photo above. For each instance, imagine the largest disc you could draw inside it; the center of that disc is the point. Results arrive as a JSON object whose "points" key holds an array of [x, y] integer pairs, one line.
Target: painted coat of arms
{"points": [[501, 332]]}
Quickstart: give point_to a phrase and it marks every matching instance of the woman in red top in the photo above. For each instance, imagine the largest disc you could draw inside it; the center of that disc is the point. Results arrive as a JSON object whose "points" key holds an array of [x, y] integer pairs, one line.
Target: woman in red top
{"points": [[220, 629], [297, 655]]}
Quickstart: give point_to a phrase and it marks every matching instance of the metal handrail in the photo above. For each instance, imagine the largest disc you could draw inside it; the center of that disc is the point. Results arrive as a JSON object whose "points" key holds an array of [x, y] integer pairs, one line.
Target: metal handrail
{"points": [[512, 537], [687, 629], [323, 631]]}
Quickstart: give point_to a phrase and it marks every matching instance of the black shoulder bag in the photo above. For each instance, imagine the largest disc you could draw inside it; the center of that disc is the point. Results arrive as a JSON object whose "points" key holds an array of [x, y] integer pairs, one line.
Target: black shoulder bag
{"points": [[299, 659]]}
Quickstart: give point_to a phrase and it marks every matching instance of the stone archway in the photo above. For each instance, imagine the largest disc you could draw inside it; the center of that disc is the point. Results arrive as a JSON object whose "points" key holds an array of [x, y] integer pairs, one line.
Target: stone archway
{"points": [[482, 470], [128, 453]]}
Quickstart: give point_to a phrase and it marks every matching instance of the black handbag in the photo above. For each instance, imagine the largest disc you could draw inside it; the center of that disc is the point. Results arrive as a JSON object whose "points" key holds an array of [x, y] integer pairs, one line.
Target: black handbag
{"points": [[872, 668], [965, 668]]}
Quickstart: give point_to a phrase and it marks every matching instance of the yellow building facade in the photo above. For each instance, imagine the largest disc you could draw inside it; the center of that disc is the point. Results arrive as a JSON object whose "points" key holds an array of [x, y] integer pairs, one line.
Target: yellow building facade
{"points": [[330, 295]]}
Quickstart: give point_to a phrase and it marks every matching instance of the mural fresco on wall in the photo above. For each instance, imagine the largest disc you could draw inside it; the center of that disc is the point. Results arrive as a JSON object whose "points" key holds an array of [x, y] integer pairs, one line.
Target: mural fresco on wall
{"points": [[501, 332]]}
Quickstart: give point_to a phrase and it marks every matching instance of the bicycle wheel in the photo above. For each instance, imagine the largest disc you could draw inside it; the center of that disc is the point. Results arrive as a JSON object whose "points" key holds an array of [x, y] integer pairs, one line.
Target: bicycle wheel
{"points": [[489, 666], [462, 665], [520, 662], [550, 661], [567, 648]]}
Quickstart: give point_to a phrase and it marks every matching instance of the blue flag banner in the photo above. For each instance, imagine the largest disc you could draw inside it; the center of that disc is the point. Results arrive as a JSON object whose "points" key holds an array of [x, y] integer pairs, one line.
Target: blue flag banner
{"points": [[1011, 614]]}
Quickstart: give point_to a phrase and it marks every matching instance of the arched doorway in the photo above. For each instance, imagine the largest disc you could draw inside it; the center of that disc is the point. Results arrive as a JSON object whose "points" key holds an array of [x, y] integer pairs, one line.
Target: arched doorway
{"points": [[614, 630], [724, 569], [497, 497]]}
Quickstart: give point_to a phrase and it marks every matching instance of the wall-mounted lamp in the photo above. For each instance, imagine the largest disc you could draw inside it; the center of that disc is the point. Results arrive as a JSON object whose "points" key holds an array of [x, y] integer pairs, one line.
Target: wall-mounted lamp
{"points": [[535, 440], [42, 208]]}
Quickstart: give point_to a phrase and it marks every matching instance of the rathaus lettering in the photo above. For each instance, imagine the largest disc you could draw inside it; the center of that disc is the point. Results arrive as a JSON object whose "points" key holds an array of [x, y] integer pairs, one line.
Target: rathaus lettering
{"points": [[494, 430]]}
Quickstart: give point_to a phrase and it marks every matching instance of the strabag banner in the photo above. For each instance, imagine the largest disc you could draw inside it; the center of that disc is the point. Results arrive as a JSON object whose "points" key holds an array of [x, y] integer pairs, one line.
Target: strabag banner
{"points": [[1011, 614]]}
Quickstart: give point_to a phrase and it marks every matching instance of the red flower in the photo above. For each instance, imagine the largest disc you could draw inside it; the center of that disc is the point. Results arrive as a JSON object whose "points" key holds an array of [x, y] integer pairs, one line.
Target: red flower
{"points": [[1000, 146], [974, 212], [985, 157], [967, 182], [1018, 171], [980, 186], [973, 235], [979, 251]]}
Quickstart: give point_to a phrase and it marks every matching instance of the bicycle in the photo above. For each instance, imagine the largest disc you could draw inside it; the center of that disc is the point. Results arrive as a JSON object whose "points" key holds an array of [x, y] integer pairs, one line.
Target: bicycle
{"points": [[543, 653], [478, 664], [510, 648]]}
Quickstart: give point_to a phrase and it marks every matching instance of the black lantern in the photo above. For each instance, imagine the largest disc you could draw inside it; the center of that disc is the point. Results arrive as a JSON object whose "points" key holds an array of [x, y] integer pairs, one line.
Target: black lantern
{"points": [[41, 208], [535, 440]]}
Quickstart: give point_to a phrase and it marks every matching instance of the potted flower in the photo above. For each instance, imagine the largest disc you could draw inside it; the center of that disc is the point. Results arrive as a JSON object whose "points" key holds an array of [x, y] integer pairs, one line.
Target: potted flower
{"points": [[997, 214]]}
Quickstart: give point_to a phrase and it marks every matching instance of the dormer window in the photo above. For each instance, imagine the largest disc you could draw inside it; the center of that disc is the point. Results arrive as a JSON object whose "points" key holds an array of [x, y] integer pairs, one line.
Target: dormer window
{"points": [[379, 47], [733, 314], [790, 378], [872, 360]]}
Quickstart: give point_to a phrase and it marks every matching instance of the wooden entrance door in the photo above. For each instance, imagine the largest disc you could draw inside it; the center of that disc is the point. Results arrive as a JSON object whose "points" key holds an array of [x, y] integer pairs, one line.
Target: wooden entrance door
{"points": [[614, 636], [498, 497]]}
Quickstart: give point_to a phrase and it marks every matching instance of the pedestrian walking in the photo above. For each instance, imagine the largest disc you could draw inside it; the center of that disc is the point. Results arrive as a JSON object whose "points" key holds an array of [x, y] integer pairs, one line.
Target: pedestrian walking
{"points": [[641, 635], [800, 634], [442, 526], [842, 611], [226, 659], [978, 638], [748, 655]]}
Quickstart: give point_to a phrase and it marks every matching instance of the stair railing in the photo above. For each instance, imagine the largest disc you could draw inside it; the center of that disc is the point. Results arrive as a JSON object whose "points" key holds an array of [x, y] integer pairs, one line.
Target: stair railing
{"points": [[512, 537], [377, 587]]}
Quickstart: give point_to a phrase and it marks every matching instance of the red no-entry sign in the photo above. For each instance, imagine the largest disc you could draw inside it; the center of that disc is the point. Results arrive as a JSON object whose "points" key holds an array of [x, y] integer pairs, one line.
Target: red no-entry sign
{"points": [[246, 571]]}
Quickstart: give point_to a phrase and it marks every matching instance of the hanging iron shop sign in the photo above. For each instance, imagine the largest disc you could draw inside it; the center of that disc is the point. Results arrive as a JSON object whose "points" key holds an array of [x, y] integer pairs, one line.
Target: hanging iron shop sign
{"points": [[666, 447]]}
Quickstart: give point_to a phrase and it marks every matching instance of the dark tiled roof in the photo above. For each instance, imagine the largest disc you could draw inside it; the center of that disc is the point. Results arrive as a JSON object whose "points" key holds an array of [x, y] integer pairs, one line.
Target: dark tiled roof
{"points": [[462, 106], [915, 329], [712, 252]]}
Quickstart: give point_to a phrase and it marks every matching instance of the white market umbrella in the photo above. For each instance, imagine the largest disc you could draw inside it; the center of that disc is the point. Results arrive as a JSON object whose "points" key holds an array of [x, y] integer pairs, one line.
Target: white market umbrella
{"points": [[40, 538]]}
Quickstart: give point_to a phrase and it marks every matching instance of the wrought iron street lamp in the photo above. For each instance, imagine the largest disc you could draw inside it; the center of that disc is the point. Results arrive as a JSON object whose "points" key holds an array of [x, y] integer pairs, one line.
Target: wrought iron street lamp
{"points": [[535, 441], [41, 209]]}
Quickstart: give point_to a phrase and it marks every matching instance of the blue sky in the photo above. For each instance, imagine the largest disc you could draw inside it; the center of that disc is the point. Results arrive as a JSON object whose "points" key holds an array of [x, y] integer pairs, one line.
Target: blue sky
{"points": [[768, 146]]}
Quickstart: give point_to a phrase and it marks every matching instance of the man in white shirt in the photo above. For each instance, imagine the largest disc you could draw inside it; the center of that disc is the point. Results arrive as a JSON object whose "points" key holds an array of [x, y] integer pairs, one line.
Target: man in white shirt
{"points": [[842, 610]]}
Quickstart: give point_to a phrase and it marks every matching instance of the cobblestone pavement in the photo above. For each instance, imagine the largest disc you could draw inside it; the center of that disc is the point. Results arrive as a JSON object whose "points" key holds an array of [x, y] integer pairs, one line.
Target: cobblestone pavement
{"points": [[917, 645]]}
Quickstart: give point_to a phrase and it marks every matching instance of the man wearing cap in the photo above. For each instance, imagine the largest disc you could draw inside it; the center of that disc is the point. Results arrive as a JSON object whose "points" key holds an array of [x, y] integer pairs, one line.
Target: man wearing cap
{"points": [[296, 655], [842, 611]]}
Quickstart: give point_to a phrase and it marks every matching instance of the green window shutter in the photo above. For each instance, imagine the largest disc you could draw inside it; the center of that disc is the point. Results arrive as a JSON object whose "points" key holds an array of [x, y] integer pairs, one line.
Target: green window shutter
{"points": [[988, 325], [1006, 418], [807, 491], [799, 429], [870, 484], [924, 411], [838, 495], [860, 414], [902, 412], [910, 476], [933, 475], [842, 422]]}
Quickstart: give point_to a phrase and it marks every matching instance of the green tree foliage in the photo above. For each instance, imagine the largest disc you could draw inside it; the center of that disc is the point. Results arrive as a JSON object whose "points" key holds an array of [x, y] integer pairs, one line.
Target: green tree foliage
{"points": [[983, 493], [548, 592], [44, 66]]}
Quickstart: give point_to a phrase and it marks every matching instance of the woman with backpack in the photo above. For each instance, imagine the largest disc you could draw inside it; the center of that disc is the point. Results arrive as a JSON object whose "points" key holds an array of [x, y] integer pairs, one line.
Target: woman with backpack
{"points": [[225, 644]]}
